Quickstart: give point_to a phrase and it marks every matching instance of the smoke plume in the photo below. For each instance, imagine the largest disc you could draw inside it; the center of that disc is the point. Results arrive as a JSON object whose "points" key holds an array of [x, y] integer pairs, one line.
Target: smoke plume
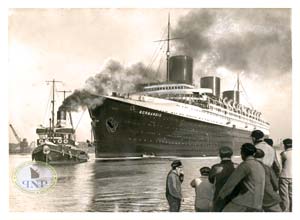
{"points": [[81, 99], [113, 78], [256, 41], [192, 30]]}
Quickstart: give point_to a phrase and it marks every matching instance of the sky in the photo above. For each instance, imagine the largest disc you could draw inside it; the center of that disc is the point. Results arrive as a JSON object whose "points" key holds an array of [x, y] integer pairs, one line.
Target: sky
{"points": [[115, 49]]}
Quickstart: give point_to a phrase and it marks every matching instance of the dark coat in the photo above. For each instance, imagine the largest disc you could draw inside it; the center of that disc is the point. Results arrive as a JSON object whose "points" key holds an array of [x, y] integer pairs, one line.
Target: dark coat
{"points": [[173, 185], [271, 197], [251, 174], [218, 176]]}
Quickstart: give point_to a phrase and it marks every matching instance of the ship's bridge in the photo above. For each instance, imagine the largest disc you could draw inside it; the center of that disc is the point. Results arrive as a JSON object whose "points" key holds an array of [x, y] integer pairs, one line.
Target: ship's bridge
{"points": [[58, 135]]}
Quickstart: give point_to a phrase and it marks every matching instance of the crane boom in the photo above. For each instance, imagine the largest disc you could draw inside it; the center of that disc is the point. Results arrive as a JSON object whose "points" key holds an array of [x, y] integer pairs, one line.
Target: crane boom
{"points": [[15, 133]]}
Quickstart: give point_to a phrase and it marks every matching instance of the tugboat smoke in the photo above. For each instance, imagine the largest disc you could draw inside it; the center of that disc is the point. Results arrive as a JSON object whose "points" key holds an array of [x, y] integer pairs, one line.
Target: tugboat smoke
{"points": [[113, 78], [81, 99]]}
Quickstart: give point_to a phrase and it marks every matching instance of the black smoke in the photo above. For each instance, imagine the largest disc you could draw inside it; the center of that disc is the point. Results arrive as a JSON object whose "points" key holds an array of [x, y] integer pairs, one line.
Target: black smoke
{"points": [[256, 41], [114, 77], [121, 79], [192, 29], [81, 99]]}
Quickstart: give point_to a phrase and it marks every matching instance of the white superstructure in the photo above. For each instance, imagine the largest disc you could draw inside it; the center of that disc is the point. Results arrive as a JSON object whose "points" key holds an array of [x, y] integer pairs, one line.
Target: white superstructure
{"points": [[186, 101]]}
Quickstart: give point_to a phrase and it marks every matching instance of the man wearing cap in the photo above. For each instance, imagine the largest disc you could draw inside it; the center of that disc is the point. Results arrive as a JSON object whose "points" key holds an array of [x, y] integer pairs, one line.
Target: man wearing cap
{"points": [[250, 176], [257, 139], [285, 178], [219, 174], [204, 191], [173, 186]]}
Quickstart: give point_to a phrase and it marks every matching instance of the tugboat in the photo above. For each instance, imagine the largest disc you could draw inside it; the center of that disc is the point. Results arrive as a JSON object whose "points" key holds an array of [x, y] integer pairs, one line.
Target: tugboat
{"points": [[57, 143]]}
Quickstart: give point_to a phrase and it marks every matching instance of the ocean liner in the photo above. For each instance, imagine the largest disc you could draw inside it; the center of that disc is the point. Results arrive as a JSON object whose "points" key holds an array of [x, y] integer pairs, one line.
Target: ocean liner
{"points": [[174, 118]]}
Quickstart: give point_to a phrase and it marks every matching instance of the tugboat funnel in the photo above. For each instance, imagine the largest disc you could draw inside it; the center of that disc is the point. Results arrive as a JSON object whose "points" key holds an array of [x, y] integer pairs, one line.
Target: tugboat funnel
{"points": [[61, 118]]}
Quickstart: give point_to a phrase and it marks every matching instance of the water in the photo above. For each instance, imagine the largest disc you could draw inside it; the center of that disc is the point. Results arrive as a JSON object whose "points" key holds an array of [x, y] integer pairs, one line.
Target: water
{"points": [[108, 186]]}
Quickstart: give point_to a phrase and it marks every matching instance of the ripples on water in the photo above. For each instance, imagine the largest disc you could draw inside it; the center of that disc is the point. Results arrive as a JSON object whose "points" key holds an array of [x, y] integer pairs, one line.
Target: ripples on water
{"points": [[109, 186]]}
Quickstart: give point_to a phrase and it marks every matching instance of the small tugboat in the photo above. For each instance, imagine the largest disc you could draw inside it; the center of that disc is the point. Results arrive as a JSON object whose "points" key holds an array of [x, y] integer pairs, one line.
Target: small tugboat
{"points": [[57, 143]]}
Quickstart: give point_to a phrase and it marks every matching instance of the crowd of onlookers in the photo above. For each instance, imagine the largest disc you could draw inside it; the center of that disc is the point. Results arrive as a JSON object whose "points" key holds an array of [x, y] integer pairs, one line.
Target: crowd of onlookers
{"points": [[258, 184]]}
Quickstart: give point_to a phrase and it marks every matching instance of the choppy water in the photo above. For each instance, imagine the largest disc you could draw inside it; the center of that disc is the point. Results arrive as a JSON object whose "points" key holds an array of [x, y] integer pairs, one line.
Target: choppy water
{"points": [[108, 186]]}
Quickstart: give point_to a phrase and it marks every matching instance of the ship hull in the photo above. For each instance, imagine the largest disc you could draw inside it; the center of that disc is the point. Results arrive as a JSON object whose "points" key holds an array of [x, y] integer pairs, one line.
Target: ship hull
{"points": [[127, 130], [59, 154]]}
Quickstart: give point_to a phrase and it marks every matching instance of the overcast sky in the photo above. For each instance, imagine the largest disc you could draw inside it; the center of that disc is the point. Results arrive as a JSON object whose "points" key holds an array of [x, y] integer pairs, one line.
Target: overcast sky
{"points": [[73, 45]]}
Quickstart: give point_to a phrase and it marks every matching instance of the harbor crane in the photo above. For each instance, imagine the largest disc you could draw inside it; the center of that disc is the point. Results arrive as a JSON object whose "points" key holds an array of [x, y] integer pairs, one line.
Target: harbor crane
{"points": [[23, 143], [15, 134]]}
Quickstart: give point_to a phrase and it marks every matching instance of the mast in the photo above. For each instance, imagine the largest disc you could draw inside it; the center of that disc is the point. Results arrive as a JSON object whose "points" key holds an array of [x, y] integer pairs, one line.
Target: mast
{"points": [[53, 101], [64, 92], [238, 82], [168, 48], [238, 88]]}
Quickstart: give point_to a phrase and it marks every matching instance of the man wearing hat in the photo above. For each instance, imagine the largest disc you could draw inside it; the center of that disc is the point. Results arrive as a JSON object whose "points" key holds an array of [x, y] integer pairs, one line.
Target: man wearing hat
{"points": [[285, 178], [173, 186], [204, 191], [259, 143], [249, 177], [219, 174]]}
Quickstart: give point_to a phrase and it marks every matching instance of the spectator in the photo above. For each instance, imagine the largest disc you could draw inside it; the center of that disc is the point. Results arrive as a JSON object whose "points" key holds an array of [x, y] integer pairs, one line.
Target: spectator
{"points": [[219, 174], [271, 201], [257, 138], [250, 176], [173, 186], [285, 179], [276, 164], [204, 191]]}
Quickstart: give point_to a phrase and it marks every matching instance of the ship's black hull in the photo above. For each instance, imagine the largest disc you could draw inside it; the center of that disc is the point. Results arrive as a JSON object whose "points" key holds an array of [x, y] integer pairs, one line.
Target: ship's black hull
{"points": [[59, 154], [124, 130]]}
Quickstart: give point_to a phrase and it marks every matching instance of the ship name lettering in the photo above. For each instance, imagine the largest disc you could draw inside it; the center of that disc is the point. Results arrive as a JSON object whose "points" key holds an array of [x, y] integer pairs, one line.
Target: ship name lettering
{"points": [[141, 112]]}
